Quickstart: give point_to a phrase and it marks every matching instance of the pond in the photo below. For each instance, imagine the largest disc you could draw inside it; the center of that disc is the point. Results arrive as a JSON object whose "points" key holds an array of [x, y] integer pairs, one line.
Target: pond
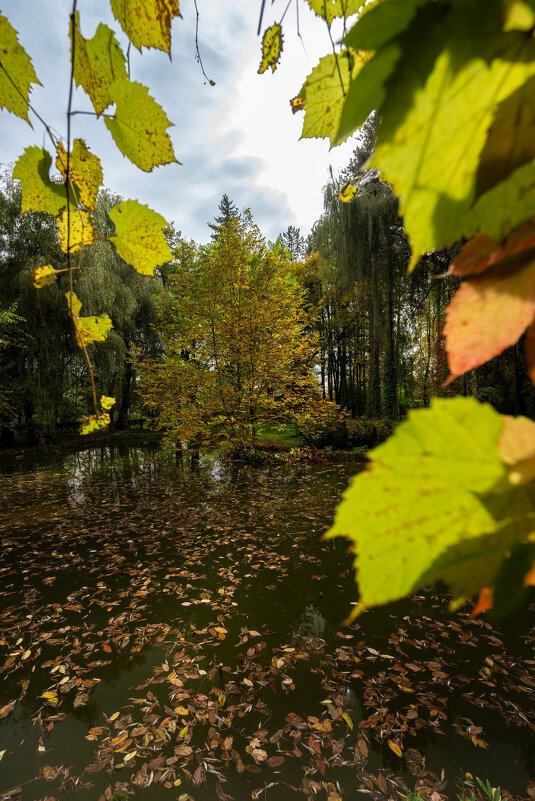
{"points": [[178, 632]]}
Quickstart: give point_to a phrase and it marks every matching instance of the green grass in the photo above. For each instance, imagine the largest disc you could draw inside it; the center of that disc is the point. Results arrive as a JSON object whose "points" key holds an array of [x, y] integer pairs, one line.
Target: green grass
{"points": [[281, 435]]}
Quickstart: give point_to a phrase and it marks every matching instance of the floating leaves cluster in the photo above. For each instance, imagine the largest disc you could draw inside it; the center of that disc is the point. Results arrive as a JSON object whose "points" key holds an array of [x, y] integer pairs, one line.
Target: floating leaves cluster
{"points": [[211, 608]]}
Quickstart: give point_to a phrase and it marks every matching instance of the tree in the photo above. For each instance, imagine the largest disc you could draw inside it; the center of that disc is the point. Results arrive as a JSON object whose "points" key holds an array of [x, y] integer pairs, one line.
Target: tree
{"points": [[292, 239], [236, 354], [227, 212]]}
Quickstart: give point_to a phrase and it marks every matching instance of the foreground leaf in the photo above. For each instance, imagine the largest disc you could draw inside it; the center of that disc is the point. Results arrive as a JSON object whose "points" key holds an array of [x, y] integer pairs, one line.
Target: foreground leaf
{"points": [[16, 72], [139, 126], [85, 171], [98, 62], [488, 314], [416, 511], [484, 251], [39, 193], [454, 74], [139, 236], [329, 9], [147, 23]]}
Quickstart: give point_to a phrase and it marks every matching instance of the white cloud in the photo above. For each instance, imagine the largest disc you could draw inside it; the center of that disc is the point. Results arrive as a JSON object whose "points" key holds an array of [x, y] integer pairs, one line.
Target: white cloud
{"points": [[238, 137]]}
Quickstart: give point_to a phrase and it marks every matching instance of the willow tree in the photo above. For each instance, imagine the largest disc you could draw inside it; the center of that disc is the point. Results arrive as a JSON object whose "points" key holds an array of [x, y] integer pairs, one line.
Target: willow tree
{"points": [[235, 350], [364, 241]]}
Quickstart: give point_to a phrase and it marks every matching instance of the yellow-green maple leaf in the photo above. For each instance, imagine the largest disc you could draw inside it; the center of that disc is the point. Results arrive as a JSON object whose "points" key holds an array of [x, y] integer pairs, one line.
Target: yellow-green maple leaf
{"points": [[39, 193], [329, 9], [98, 62], [139, 236], [16, 72], [88, 329], [436, 116], [78, 232], [85, 171], [147, 23], [43, 276], [419, 513], [139, 126], [94, 422], [324, 92]]}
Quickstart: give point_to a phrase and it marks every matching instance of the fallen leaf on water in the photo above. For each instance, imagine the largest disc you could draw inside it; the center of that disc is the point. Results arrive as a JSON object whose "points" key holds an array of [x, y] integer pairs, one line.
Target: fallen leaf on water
{"points": [[395, 748], [7, 709]]}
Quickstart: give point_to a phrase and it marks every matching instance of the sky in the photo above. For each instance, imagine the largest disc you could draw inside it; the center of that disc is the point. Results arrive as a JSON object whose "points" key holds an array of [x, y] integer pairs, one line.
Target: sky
{"points": [[238, 137]]}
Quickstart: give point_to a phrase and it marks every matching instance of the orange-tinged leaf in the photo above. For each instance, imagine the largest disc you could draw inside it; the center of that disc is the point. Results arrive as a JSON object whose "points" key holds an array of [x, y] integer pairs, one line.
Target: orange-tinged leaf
{"points": [[483, 251], [395, 748], [478, 254], [488, 314], [484, 602], [181, 710], [517, 441], [7, 709], [120, 739]]}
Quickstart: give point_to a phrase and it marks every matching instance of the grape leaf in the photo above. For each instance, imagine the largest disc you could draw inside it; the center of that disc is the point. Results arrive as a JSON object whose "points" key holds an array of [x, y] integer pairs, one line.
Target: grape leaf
{"points": [[88, 329], [39, 193], [139, 237], [488, 314], [43, 276], [147, 23], [441, 101], [366, 91], [324, 91], [16, 72], [329, 9], [139, 126], [483, 251], [85, 171], [416, 514], [81, 233], [271, 48], [94, 422], [380, 23], [98, 62], [106, 402], [516, 195], [510, 141]]}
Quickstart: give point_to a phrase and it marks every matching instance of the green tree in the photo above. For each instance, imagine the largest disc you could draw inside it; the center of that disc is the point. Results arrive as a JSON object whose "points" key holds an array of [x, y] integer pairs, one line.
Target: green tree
{"points": [[227, 211]]}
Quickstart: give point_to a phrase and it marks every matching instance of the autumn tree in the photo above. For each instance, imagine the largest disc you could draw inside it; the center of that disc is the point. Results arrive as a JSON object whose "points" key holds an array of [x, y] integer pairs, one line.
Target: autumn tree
{"points": [[236, 353]]}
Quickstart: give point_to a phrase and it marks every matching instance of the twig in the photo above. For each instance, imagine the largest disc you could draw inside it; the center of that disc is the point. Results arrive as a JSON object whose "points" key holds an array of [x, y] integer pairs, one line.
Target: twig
{"points": [[197, 51]]}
